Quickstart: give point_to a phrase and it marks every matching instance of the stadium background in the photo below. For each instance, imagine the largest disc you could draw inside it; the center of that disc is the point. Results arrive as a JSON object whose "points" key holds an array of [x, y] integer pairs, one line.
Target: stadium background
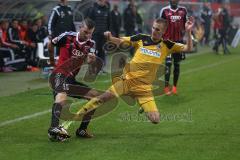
{"points": [[148, 9], [201, 123]]}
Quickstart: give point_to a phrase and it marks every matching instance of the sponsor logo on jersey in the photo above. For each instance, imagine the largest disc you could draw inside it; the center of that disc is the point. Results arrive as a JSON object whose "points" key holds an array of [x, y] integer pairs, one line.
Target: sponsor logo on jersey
{"points": [[77, 53], [175, 18], [150, 52]]}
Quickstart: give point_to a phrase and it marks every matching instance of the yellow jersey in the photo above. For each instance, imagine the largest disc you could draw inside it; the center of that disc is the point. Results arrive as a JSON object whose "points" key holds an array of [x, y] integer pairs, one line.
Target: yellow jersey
{"points": [[149, 55]]}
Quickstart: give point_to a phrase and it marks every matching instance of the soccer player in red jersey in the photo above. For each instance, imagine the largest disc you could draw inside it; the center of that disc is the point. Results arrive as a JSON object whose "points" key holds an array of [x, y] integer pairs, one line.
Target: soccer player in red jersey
{"points": [[176, 17], [75, 49]]}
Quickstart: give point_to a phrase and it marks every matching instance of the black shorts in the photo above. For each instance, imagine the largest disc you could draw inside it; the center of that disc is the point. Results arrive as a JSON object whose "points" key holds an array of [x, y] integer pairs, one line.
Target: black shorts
{"points": [[175, 58], [61, 83]]}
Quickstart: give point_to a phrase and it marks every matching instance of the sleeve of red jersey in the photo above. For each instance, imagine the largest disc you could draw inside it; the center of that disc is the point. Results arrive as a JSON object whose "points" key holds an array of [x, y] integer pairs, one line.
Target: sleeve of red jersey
{"points": [[59, 40], [162, 15]]}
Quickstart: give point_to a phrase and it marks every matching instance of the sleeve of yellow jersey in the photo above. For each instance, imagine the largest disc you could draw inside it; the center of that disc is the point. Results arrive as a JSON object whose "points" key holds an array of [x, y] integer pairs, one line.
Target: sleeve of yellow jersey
{"points": [[133, 39], [127, 39], [177, 48]]}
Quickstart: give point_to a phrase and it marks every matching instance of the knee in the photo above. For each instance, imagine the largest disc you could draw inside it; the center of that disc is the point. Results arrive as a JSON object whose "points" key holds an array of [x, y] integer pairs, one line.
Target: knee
{"points": [[154, 117], [61, 98], [94, 93]]}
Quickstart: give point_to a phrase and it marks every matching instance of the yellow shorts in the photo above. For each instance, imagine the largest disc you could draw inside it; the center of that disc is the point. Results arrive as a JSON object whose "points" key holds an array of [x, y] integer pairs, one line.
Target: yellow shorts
{"points": [[141, 92]]}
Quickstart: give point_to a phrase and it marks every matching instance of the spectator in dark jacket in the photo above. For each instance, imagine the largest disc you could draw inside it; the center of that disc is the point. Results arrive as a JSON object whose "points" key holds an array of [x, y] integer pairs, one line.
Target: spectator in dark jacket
{"points": [[206, 15], [14, 36], [132, 20], [42, 32], [6, 48], [60, 21], [116, 21], [100, 14], [32, 35]]}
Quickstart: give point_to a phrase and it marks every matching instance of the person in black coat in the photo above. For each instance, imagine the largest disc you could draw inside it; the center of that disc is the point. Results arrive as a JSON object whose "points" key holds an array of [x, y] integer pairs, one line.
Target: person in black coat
{"points": [[116, 21], [100, 14], [60, 21]]}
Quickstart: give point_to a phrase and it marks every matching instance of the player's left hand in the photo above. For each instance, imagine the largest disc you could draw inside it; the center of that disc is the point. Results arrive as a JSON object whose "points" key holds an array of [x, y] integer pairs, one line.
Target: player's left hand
{"points": [[189, 24]]}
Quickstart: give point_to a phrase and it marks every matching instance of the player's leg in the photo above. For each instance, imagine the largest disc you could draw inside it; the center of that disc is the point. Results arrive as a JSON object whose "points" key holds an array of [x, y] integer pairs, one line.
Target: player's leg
{"points": [[176, 72], [57, 132], [117, 89], [151, 111], [82, 131], [80, 90], [96, 102], [219, 41], [147, 103], [60, 100], [215, 46], [167, 74]]}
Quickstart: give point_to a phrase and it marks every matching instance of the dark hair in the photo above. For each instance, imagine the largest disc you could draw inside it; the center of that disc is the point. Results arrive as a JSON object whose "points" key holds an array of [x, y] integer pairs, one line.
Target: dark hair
{"points": [[89, 23], [160, 20]]}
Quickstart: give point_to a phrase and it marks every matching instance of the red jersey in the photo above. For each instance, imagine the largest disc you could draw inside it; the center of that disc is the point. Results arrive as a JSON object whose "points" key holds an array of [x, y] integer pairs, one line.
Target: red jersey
{"points": [[23, 33], [72, 53], [4, 38], [216, 23], [176, 20]]}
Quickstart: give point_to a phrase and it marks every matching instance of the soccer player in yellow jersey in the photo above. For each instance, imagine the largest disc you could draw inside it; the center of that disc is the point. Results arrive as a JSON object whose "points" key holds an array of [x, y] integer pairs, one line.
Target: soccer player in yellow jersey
{"points": [[138, 75]]}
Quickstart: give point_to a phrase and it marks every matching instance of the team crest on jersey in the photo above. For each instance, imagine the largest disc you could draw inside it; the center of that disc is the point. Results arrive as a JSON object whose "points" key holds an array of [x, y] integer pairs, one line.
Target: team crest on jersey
{"points": [[150, 52], [175, 18]]}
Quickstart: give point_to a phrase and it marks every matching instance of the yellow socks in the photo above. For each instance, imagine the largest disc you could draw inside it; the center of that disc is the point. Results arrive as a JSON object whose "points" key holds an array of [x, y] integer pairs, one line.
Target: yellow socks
{"points": [[91, 105]]}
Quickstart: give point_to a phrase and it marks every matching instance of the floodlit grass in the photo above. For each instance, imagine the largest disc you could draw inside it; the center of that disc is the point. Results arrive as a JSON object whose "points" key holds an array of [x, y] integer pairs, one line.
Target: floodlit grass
{"points": [[201, 123]]}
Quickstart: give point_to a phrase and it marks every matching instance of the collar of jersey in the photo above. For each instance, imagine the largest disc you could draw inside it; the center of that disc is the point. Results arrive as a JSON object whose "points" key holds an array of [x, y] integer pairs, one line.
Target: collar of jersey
{"points": [[81, 43], [174, 10], [157, 41]]}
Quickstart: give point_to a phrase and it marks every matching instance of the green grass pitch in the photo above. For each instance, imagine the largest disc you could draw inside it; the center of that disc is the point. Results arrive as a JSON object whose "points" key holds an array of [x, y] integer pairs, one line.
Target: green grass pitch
{"points": [[201, 123]]}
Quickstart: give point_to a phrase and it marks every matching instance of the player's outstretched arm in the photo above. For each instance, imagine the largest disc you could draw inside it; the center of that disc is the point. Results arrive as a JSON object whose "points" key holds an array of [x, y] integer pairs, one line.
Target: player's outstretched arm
{"points": [[109, 37], [188, 26]]}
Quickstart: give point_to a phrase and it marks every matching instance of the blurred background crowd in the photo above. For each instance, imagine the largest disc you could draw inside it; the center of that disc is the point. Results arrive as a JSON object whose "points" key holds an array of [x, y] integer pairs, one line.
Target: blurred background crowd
{"points": [[27, 25]]}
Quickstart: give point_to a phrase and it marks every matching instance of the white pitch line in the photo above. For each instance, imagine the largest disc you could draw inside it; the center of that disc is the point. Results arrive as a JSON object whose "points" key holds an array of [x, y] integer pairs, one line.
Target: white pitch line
{"points": [[24, 118], [47, 111]]}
